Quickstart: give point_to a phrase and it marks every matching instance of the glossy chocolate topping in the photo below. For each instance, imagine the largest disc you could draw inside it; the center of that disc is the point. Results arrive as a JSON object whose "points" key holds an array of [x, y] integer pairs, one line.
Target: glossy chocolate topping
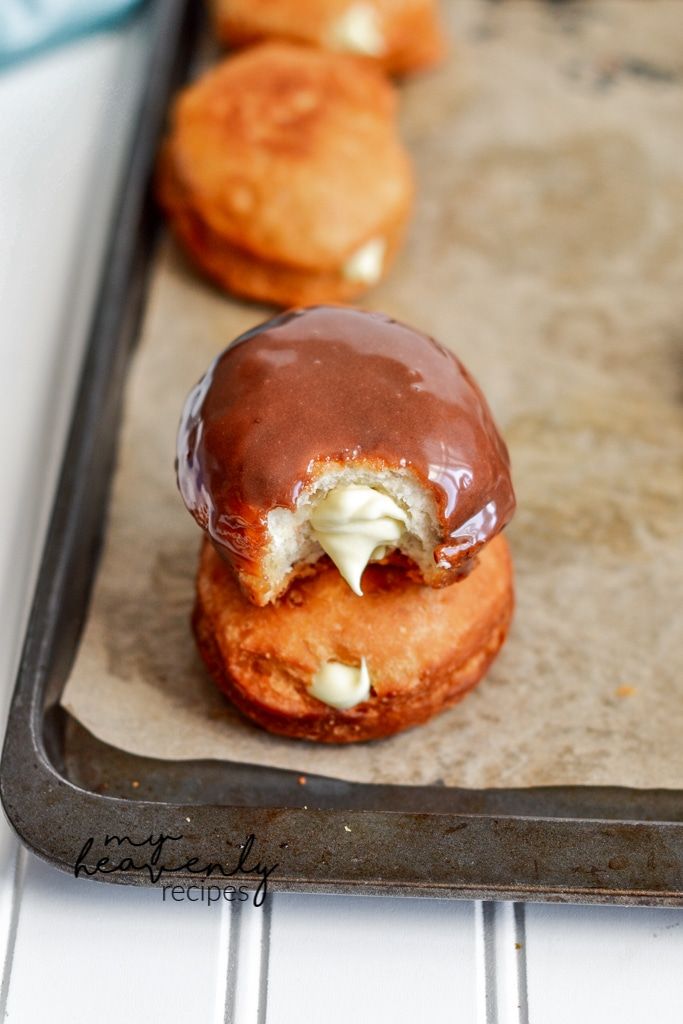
{"points": [[332, 384]]}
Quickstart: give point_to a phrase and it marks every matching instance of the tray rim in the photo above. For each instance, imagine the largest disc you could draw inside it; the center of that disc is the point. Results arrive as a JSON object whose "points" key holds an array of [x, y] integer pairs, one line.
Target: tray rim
{"points": [[418, 854]]}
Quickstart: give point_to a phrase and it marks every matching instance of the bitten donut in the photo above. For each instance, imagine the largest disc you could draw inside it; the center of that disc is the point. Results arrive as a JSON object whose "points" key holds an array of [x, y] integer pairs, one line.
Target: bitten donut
{"points": [[331, 431], [324, 664], [283, 175], [398, 35]]}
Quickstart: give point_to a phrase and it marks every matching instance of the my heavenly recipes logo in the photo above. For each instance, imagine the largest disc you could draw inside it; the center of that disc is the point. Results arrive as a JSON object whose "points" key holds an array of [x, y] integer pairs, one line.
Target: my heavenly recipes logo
{"points": [[154, 854]]}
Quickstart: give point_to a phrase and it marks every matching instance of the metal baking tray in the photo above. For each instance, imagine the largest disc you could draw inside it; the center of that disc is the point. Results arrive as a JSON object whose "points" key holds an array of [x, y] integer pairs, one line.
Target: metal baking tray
{"points": [[76, 801]]}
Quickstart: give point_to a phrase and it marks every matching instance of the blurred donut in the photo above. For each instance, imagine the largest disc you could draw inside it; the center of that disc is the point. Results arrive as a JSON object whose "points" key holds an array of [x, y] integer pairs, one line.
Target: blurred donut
{"points": [[398, 35], [283, 176]]}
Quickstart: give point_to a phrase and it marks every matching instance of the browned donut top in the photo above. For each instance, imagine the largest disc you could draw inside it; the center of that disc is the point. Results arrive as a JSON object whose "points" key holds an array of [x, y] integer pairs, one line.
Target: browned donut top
{"points": [[336, 385]]}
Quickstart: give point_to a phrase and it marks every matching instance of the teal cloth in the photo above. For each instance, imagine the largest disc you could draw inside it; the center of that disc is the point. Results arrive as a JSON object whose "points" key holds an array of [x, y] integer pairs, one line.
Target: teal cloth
{"points": [[27, 26]]}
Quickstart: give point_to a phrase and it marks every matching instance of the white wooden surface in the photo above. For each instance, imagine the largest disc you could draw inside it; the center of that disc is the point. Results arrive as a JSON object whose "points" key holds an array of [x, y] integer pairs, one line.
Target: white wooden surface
{"points": [[79, 951]]}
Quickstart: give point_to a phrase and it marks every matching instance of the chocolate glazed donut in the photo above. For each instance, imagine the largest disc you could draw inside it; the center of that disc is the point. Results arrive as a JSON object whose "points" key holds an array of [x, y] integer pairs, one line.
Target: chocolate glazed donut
{"points": [[329, 389]]}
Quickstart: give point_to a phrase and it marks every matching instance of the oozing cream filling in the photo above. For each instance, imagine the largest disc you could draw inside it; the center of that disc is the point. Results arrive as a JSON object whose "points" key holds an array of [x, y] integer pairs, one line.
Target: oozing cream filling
{"points": [[358, 31], [341, 686], [367, 263], [355, 524]]}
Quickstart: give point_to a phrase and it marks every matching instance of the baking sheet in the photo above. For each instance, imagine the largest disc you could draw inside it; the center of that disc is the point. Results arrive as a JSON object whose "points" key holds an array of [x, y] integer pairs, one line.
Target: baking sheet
{"points": [[547, 249]]}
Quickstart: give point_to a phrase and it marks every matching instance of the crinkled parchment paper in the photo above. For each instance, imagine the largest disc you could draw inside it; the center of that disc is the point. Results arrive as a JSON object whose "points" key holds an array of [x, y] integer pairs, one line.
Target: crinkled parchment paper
{"points": [[547, 249]]}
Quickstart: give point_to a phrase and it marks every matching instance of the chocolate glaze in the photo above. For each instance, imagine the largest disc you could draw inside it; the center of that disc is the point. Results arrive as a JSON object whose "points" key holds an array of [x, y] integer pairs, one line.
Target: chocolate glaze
{"points": [[332, 384]]}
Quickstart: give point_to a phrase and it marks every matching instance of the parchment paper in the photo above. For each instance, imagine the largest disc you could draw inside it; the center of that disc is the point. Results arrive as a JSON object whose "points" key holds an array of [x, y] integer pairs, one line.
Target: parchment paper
{"points": [[547, 249]]}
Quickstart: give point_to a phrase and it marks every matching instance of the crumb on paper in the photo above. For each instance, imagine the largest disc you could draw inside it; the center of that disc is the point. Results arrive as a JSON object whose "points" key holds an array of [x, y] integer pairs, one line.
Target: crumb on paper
{"points": [[518, 945], [625, 691], [216, 714]]}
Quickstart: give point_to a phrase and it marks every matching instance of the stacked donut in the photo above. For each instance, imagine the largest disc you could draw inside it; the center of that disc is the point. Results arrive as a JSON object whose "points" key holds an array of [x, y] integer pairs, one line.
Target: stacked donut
{"points": [[352, 487], [344, 467]]}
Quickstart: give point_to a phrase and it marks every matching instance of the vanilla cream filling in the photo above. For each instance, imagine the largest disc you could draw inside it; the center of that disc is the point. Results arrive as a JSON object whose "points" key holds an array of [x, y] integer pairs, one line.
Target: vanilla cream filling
{"points": [[341, 686], [367, 263], [357, 31], [355, 524]]}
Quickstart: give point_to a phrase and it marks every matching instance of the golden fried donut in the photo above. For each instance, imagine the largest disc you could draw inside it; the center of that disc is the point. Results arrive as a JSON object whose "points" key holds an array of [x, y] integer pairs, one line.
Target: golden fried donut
{"points": [[398, 35], [333, 431], [283, 175], [424, 648]]}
